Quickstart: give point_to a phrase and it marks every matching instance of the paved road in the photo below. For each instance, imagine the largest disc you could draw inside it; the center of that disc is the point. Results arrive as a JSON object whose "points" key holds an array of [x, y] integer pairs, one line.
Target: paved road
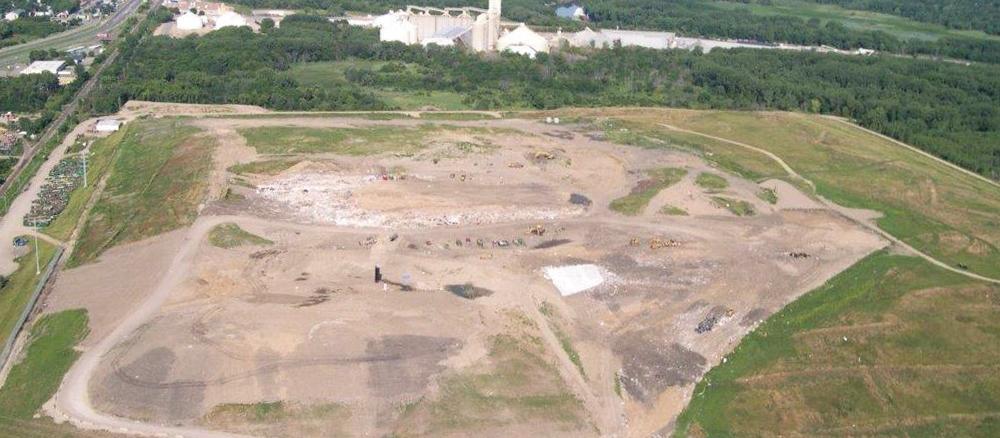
{"points": [[74, 37], [841, 210]]}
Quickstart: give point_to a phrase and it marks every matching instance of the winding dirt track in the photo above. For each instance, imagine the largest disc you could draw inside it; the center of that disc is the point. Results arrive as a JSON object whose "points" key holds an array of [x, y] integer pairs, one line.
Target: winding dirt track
{"points": [[837, 208], [72, 401]]}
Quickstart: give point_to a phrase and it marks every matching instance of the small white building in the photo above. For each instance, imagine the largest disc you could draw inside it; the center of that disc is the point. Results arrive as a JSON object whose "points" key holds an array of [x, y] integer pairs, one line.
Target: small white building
{"points": [[13, 15], [44, 66], [190, 21], [230, 19], [108, 125], [523, 41], [573, 12]]}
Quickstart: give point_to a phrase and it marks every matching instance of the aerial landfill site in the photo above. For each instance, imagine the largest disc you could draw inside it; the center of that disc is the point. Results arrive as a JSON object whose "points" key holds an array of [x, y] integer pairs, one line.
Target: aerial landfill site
{"points": [[496, 277]]}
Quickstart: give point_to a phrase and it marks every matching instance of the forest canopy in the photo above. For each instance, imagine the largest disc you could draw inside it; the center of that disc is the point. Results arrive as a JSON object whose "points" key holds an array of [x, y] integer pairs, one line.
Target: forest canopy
{"points": [[947, 109], [689, 17]]}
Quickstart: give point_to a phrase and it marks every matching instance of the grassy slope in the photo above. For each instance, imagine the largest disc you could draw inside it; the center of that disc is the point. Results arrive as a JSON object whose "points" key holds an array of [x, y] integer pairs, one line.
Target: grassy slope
{"points": [[34, 379], [230, 235], [157, 181], [268, 167], [15, 295], [945, 213], [49, 355], [891, 346], [899, 27], [279, 419], [98, 162], [331, 74]]}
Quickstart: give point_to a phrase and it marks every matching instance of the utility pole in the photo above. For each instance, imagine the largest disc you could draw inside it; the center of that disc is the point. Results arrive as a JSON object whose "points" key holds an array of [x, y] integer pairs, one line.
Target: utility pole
{"points": [[38, 265], [84, 153]]}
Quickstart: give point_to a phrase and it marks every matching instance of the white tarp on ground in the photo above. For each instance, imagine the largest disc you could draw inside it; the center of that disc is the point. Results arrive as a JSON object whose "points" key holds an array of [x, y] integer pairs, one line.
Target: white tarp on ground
{"points": [[574, 278]]}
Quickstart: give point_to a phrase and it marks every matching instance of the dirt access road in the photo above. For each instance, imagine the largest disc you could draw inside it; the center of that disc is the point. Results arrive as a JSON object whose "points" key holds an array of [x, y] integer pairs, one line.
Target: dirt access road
{"points": [[12, 223], [72, 400]]}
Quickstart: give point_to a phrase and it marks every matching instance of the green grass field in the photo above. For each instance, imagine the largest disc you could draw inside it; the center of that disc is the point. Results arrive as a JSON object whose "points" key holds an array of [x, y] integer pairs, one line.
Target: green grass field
{"points": [[20, 286], [49, 354], [157, 180], [635, 202], [35, 378], [374, 140], [331, 75], [894, 346], [900, 27], [341, 141]]}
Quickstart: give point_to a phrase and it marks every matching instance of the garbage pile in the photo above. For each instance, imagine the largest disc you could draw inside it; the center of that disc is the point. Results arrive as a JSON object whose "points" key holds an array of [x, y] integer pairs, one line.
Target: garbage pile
{"points": [[66, 176], [713, 318]]}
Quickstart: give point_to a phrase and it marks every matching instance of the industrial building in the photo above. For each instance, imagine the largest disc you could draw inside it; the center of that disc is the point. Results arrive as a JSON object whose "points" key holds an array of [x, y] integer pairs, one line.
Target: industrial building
{"points": [[482, 31], [54, 67], [474, 28]]}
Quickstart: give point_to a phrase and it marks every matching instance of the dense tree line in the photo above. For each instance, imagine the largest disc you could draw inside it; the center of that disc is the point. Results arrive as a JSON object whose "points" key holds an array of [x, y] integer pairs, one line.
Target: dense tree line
{"points": [[689, 17], [27, 93], [27, 28], [981, 15], [701, 18], [947, 109], [234, 65]]}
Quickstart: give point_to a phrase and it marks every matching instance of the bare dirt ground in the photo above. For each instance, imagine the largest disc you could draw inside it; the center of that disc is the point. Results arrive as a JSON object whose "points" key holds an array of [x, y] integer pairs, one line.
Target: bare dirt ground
{"points": [[302, 322]]}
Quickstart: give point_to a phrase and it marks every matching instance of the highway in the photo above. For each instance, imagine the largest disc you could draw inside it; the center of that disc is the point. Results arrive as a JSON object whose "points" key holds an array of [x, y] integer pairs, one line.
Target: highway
{"points": [[77, 36]]}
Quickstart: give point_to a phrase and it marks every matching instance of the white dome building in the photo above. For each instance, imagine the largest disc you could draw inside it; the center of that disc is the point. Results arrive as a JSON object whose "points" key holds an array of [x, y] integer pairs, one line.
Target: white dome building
{"points": [[523, 41], [189, 21], [230, 19]]}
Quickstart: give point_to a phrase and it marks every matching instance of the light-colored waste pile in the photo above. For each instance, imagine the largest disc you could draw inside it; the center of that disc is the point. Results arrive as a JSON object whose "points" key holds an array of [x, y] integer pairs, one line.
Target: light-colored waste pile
{"points": [[574, 279]]}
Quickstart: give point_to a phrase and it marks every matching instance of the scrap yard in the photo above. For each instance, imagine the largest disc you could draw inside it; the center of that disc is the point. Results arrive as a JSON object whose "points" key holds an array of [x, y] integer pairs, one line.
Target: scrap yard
{"points": [[364, 276]]}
